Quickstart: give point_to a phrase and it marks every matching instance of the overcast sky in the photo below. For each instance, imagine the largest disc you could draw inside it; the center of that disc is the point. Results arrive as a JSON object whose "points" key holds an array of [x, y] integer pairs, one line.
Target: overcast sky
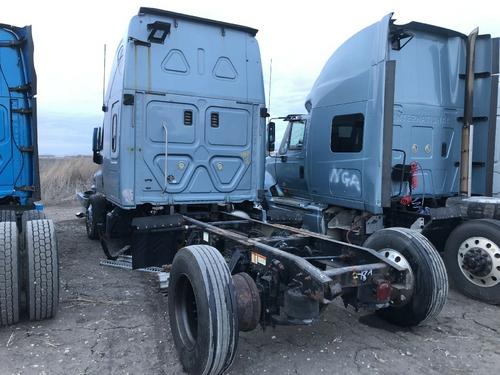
{"points": [[299, 36]]}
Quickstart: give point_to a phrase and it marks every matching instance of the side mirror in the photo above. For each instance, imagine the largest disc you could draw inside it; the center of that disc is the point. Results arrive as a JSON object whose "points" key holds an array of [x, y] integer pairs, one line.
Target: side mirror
{"points": [[271, 136], [97, 145]]}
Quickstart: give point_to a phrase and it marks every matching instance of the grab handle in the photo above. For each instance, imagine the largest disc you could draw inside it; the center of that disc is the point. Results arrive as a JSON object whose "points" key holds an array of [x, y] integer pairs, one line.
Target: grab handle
{"points": [[166, 153]]}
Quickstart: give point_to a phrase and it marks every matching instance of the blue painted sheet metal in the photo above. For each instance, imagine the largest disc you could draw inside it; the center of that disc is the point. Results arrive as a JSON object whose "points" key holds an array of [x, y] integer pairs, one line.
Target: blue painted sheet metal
{"points": [[352, 82], [197, 101], [429, 105], [19, 182], [428, 91]]}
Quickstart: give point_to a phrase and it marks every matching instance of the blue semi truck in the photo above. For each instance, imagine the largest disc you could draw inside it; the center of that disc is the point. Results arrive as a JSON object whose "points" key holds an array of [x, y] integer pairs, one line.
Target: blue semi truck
{"points": [[401, 130], [182, 153], [29, 281]]}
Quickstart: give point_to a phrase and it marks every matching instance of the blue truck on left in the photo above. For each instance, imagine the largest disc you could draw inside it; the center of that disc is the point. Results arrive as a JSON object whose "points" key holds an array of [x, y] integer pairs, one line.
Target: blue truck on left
{"points": [[29, 280]]}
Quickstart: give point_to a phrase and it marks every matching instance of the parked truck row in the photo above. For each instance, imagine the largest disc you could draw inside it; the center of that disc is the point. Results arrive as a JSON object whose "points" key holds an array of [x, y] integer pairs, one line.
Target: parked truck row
{"points": [[393, 162], [183, 183]]}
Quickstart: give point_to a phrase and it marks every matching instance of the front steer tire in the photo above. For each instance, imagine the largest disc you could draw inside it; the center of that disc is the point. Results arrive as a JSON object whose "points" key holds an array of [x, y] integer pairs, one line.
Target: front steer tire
{"points": [[430, 285], [203, 310]]}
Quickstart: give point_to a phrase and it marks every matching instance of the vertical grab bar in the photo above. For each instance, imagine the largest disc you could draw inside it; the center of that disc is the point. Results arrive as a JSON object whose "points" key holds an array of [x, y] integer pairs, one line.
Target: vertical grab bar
{"points": [[166, 153]]}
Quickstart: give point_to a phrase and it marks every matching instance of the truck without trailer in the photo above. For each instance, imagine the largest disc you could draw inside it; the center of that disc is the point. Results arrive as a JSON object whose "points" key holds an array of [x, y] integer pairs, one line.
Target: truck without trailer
{"points": [[400, 130], [29, 281], [182, 153]]}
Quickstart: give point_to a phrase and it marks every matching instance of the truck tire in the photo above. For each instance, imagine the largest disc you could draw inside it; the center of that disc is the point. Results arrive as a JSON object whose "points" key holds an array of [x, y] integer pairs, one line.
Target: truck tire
{"points": [[27, 216], [31, 215], [430, 282], [42, 269], [472, 256], [9, 274], [7, 215], [95, 214], [203, 310]]}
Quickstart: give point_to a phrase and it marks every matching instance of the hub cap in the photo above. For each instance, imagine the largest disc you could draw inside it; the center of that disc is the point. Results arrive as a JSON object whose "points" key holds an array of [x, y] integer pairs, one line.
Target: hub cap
{"points": [[479, 260], [395, 256]]}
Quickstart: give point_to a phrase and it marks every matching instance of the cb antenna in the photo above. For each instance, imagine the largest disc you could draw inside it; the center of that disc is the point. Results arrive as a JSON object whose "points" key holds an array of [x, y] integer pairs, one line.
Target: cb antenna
{"points": [[104, 76], [270, 82]]}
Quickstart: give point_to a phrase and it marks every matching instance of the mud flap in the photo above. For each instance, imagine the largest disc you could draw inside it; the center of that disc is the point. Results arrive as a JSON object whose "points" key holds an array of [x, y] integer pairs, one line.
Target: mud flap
{"points": [[154, 240]]}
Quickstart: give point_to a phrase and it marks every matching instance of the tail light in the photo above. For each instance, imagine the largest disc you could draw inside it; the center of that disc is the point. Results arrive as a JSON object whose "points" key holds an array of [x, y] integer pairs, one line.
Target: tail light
{"points": [[383, 291]]}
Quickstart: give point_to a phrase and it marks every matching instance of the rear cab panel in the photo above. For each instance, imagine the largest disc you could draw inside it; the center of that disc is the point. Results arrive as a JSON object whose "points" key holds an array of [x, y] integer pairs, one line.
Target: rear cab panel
{"points": [[192, 97], [429, 107], [19, 177], [403, 86]]}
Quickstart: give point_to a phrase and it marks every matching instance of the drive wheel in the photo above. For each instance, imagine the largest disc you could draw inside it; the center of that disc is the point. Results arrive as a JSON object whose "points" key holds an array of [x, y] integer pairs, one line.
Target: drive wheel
{"points": [[42, 269], [7, 215], [31, 215], [426, 280], [9, 274], [472, 255], [203, 310], [27, 216]]}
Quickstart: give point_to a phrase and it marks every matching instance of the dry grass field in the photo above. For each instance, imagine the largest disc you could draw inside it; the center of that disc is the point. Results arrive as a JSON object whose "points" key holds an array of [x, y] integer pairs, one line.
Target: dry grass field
{"points": [[61, 177]]}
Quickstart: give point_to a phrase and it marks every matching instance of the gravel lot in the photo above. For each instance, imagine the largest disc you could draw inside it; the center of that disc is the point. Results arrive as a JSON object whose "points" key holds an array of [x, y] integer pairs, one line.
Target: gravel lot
{"points": [[114, 321]]}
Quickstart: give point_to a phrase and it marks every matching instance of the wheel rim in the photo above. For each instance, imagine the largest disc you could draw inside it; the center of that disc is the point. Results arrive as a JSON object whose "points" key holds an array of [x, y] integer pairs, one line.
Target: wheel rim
{"points": [[186, 312], [479, 260], [398, 258]]}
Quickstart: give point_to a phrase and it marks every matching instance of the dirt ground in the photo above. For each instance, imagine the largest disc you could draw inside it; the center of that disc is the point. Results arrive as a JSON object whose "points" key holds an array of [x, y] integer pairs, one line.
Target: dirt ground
{"points": [[113, 321]]}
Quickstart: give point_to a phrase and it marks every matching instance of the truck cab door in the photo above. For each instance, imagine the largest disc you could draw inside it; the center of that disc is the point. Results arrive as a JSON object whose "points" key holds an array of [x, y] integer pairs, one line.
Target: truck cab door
{"points": [[111, 164], [350, 124], [290, 173]]}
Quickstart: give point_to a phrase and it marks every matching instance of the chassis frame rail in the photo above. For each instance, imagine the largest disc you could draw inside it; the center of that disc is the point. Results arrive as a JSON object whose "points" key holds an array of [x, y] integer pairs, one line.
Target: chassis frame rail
{"points": [[317, 266]]}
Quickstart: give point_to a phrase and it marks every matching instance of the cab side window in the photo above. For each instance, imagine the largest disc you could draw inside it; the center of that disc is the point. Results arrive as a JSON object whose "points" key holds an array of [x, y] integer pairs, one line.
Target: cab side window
{"points": [[296, 136], [347, 133], [114, 134]]}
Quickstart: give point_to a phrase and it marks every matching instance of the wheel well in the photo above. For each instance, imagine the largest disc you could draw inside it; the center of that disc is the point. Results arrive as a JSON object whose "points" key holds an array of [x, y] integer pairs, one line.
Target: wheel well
{"points": [[437, 231]]}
